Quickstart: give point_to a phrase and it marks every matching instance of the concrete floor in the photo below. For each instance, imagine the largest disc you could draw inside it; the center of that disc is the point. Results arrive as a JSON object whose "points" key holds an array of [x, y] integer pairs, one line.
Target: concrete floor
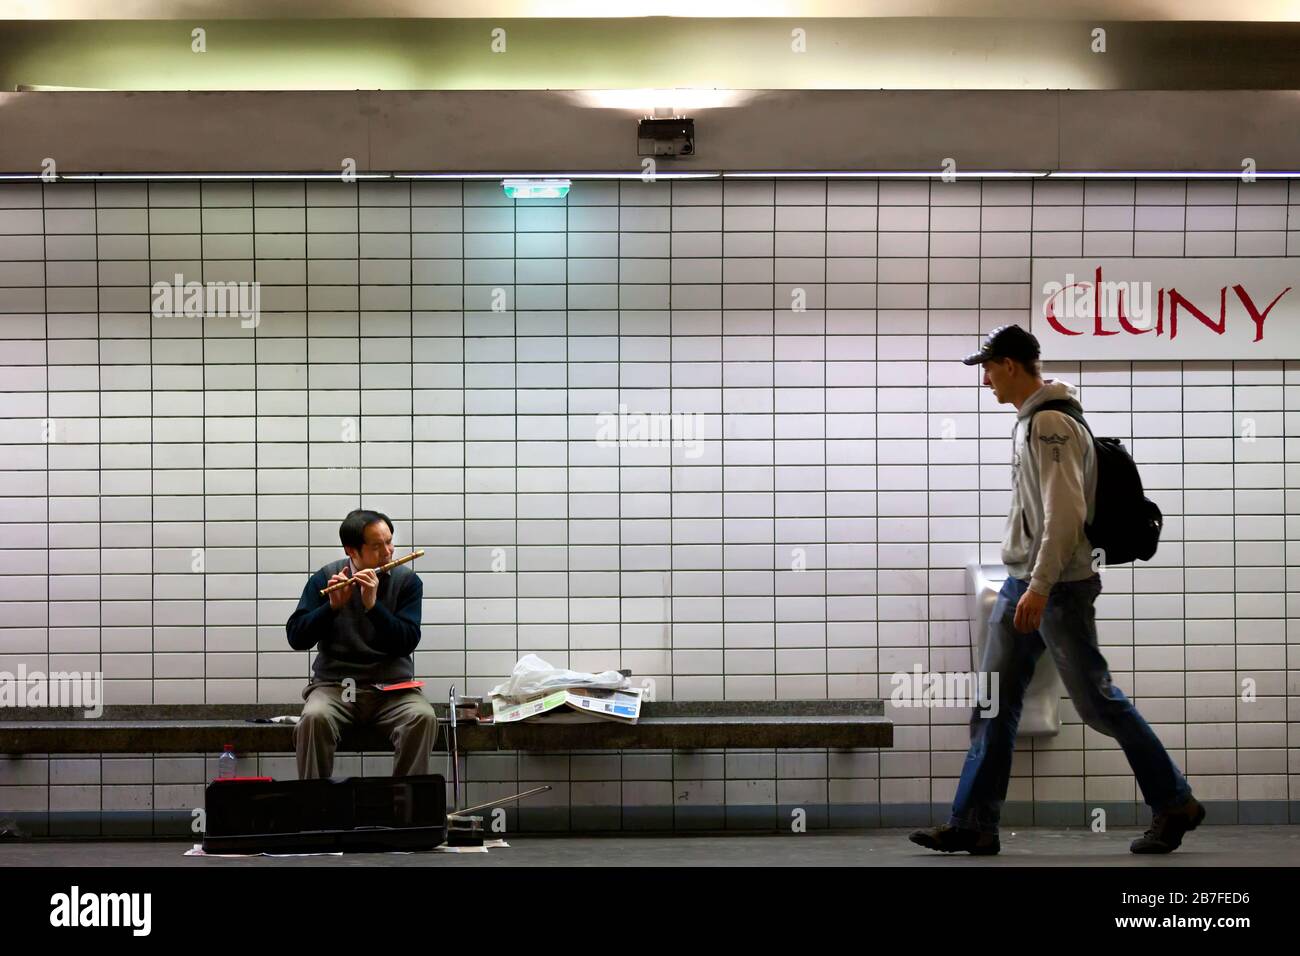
{"points": [[1209, 846]]}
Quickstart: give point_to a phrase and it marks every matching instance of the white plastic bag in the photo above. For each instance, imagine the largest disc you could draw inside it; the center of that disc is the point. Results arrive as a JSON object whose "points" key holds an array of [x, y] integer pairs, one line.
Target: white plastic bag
{"points": [[533, 676]]}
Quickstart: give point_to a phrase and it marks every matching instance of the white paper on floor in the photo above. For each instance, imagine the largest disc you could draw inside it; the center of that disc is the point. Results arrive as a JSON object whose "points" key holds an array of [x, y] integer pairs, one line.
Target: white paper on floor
{"points": [[197, 850], [487, 845]]}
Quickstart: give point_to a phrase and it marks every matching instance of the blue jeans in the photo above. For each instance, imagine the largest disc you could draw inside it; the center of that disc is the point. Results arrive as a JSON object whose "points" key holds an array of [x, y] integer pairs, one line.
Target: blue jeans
{"points": [[1069, 630]]}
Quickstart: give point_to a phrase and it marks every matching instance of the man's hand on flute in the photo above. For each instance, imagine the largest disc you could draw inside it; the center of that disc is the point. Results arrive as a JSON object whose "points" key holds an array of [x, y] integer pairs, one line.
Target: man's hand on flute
{"points": [[339, 598], [368, 581]]}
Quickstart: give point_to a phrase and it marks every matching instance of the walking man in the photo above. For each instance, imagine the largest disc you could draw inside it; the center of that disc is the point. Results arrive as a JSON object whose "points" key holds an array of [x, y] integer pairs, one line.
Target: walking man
{"points": [[1047, 600]]}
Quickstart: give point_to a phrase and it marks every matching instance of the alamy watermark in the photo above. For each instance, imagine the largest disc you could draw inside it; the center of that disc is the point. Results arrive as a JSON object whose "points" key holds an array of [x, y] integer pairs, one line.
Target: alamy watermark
{"points": [[81, 689], [650, 429], [947, 689], [181, 299], [76, 909], [1088, 299]]}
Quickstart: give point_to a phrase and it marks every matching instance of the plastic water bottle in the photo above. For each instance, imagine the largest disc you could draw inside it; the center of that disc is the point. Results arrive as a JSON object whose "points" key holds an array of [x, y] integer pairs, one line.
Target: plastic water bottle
{"points": [[226, 763]]}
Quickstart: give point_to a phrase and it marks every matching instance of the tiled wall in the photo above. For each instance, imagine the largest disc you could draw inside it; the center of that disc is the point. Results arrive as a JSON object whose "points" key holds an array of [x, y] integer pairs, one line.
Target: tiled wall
{"points": [[843, 437]]}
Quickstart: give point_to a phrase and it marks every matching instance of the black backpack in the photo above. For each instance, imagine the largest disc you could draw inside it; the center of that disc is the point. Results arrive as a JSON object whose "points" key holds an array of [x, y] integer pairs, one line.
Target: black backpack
{"points": [[1126, 523]]}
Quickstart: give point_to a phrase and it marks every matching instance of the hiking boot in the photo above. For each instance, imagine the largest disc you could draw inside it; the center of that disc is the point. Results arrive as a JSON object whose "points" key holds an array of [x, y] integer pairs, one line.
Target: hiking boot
{"points": [[1167, 829], [950, 839]]}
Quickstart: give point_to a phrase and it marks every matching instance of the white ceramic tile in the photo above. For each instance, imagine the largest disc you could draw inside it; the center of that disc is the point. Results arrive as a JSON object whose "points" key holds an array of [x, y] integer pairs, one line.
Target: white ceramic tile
{"points": [[823, 442]]}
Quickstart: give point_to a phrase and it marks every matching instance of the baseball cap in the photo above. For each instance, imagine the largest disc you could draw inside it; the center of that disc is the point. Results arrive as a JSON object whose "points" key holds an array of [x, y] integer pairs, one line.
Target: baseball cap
{"points": [[1006, 341]]}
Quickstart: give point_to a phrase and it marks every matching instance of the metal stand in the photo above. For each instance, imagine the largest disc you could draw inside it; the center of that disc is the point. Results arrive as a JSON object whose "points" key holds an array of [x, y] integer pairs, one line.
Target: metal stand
{"points": [[462, 828], [453, 756]]}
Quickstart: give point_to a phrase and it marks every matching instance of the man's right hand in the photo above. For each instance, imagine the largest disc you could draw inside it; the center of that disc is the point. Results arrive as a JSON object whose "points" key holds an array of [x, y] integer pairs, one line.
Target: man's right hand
{"points": [[340, 598]]}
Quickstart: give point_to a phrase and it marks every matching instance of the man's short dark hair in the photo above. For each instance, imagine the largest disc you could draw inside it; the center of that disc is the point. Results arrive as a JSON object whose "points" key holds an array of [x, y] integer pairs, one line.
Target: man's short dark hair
{"points": [[352, 532]]}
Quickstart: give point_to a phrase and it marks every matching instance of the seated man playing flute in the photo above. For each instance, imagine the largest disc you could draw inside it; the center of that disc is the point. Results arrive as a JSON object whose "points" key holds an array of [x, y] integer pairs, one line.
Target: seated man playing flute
{"points": [[366, 630]]}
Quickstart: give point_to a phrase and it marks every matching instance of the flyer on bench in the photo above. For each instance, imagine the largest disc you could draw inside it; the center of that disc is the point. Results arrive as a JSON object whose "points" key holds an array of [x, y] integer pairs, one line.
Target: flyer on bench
{"points": [[623, 706]]}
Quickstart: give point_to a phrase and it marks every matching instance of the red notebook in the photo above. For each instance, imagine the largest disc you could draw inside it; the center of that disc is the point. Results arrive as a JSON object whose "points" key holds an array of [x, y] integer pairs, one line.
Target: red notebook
{"points": [[401, 685]]}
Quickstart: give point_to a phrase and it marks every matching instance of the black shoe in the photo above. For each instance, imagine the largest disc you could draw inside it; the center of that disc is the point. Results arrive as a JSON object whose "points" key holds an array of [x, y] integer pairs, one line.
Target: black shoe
{"points": [[1167, 829], [951, 839]]}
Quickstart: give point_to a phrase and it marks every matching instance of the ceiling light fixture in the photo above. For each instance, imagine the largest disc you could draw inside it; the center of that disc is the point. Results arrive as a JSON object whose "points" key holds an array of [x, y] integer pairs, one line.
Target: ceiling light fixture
{"points": [[536, 188]]}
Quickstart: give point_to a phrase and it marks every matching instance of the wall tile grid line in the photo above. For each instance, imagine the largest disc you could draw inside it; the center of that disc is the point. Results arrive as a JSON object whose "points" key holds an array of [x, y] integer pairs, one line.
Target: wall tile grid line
{"points": [[444, 354]]}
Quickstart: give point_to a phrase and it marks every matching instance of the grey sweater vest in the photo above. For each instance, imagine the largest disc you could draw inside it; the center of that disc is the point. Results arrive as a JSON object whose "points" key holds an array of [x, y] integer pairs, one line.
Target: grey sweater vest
{"points": [[350, 649]]}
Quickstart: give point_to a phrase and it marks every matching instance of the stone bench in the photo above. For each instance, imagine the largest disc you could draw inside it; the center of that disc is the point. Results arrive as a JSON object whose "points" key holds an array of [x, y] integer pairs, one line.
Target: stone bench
{"points": [[664, 725]]}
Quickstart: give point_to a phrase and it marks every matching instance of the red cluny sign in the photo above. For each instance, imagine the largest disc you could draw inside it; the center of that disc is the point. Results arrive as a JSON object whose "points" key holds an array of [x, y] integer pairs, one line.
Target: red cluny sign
{"points": [[1129, 309]]}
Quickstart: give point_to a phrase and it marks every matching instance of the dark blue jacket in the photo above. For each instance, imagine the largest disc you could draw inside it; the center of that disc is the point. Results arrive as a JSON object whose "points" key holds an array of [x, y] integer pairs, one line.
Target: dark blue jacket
{"points": [[371, 647]]}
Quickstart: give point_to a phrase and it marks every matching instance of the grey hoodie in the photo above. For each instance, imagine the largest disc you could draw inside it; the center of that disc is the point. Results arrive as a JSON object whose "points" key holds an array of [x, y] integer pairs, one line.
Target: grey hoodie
{"points": [[1053, 494]]}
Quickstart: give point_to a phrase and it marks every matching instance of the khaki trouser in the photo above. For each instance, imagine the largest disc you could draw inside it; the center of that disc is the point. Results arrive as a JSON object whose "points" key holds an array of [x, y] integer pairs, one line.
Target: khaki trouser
{"points": [[406, 716]]}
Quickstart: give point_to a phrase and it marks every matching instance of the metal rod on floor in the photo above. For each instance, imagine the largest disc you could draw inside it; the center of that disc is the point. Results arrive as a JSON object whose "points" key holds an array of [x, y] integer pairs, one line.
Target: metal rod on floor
{"points": [[511, 799]]}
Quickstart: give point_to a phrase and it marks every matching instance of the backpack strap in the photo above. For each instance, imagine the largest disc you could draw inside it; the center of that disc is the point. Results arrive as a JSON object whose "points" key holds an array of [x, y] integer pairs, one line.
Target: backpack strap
{"points": [[1058, 405]]}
